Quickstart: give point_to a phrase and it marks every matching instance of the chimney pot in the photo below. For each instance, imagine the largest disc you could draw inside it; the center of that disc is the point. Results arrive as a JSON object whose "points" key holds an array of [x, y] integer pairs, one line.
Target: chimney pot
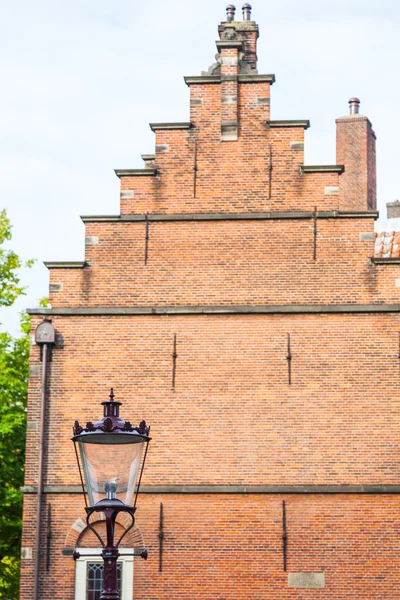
{"points": [[354, 106], [230, 13], [246, 12]]}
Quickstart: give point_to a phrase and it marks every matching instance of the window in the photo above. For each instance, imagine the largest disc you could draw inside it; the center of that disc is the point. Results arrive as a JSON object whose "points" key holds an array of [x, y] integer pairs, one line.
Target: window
{"points": [[94, 579], [89, 575]]}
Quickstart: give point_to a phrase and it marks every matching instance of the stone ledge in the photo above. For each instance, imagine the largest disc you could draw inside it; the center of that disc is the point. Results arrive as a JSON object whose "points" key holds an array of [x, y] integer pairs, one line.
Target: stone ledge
{"points": [[53, 489], [135, 172], [67, 265], [303, 124], [385, 261], [207, 79], [234, 489], [289, 309], [256, 216], [322, 169], [257, 79], [202, 79], [169, 126], [238, 44], [359, 215], [101, 218]]}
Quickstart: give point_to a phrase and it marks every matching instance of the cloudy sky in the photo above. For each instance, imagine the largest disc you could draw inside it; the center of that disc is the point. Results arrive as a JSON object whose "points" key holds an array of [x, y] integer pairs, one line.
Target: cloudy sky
{"points": [[81, 80]]}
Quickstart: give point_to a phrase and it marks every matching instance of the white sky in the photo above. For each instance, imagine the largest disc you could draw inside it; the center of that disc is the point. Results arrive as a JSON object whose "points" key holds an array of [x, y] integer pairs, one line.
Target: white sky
{"points": [[81, 80]]}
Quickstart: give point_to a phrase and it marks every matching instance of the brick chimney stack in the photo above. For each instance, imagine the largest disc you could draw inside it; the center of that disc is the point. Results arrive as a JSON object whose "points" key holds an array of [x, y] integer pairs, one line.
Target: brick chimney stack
{"points": [[355, 149], [393, 209], [247, 32], [237, 54]]}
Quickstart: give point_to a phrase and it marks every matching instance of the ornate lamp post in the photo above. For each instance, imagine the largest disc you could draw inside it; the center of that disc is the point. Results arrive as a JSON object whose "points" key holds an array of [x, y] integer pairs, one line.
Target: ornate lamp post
{"points": [[110, 453]]}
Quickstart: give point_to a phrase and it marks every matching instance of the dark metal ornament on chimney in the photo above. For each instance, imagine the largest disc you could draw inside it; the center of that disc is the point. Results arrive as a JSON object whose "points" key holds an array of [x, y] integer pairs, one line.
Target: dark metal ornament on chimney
{"points": [[354, 106], [230, 13], [246, 12]]}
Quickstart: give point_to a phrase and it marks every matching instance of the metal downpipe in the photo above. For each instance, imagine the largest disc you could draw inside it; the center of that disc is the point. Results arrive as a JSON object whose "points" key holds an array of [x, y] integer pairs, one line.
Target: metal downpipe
{"points": [[40, 470]]}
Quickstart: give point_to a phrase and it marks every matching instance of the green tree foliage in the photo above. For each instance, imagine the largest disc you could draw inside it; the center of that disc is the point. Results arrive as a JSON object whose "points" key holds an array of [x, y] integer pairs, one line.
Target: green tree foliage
{"points": [[10, 287], [14, 368]]}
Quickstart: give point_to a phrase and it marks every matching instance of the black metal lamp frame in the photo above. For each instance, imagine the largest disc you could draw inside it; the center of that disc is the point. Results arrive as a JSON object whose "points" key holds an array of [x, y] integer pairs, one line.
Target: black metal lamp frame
{"points": [[111, 423]]}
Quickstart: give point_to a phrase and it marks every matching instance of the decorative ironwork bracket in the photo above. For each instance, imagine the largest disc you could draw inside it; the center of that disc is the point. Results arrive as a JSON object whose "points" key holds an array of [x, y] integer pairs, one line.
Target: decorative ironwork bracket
{"points": [[109, 427], [110, 552], [289, 358], [284, 536], [142, 554], [174, 357], [315, 232], [161, 538], [195, 169], [146, 243]]}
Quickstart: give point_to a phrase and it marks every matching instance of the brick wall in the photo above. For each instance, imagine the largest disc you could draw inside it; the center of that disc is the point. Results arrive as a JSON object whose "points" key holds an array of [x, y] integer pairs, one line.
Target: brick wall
{"points": [[228, 262], [232, 227], [230, 546], [233, 366]]}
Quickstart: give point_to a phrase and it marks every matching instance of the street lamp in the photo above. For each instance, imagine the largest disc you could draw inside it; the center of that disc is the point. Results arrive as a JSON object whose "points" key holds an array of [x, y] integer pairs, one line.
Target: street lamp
{"points": [[110, 453]]}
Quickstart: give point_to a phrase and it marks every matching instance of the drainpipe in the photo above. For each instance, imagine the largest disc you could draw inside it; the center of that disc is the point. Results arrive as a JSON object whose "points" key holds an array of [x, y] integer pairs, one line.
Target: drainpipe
{"points": [[45, 337]]}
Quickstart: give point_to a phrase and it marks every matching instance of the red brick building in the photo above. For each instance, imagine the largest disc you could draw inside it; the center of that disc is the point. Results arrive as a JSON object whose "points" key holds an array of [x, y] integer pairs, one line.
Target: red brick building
{"points": [[275, 424]]}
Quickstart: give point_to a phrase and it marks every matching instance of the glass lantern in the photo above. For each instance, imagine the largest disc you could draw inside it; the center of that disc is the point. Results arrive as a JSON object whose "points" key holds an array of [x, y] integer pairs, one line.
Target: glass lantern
{"points": [[112, 452]]}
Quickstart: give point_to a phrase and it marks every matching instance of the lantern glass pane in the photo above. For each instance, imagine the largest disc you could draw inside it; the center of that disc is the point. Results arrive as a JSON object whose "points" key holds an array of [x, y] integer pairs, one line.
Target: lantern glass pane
{"points": [[110, 464]]}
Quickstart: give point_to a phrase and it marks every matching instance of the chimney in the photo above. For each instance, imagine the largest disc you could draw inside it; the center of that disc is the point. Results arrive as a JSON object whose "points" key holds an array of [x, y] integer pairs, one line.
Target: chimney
{"points": [[249, 35], [230, 13], [355, 149], [393, 209], [246, 12], [237, 55], [247, 32], [354, 106]]}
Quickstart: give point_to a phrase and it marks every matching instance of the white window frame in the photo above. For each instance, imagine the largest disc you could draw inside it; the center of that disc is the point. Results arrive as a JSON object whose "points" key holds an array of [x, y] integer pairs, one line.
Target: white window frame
{"points": [[81, 572]]}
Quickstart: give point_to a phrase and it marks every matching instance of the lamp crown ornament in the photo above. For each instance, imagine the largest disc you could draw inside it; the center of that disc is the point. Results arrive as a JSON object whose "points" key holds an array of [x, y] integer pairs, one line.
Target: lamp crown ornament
{"points": [[111, 421]]}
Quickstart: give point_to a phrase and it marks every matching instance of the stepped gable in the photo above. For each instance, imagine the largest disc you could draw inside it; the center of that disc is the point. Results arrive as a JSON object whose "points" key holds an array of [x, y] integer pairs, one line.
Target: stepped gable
{"points": [[230, 156], [231, 182]]}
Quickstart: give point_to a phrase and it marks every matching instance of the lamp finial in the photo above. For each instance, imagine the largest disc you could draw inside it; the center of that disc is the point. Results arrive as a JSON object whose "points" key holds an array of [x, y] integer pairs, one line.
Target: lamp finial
{"points": [[112, 396]]}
